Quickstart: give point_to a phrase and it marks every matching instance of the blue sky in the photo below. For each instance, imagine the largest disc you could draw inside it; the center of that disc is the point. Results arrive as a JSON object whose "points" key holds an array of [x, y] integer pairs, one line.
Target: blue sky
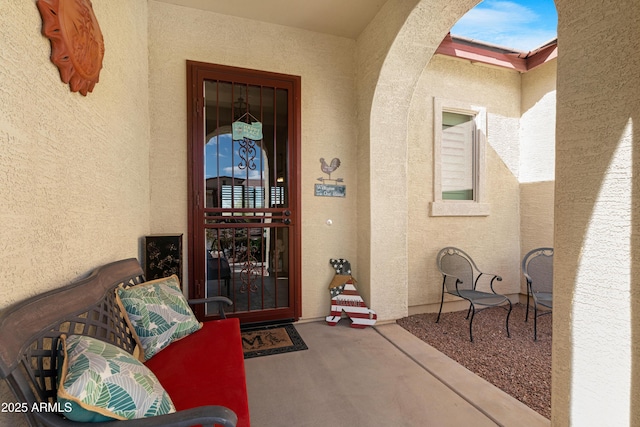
{"points": [[518, 24], [226, 156]]}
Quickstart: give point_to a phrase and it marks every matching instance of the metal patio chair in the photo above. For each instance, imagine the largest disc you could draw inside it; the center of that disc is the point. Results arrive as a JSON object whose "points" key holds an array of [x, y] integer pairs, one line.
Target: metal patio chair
{"points": [[461, 277], [537, 267]]}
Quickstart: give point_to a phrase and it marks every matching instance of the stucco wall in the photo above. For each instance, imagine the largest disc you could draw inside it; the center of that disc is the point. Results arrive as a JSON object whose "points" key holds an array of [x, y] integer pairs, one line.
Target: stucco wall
{"points": [[537, 158], [538, 124], [596, 338], [493, 241], [74, 189], [536, 218], [326, 66], [384, 247]]}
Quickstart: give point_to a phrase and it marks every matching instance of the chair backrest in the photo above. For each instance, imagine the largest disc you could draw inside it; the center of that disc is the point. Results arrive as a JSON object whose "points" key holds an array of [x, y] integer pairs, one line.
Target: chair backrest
{"points": [[537, 267], [455, 262]]}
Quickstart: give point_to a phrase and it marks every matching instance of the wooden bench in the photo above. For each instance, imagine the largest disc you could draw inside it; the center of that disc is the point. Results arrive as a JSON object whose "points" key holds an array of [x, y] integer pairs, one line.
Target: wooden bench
{"points": [[203, 373]]}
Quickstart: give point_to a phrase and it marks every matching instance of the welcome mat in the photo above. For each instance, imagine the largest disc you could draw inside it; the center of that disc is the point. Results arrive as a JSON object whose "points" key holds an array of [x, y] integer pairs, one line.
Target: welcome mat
{"points": [[269, 340]]}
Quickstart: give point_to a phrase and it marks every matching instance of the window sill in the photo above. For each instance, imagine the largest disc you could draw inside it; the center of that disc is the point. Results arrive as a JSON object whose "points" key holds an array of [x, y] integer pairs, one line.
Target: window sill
{"points": [[453, 208]]}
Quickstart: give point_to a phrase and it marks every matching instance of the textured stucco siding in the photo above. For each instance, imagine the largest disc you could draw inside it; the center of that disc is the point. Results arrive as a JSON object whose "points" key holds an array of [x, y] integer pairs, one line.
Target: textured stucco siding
{"points": [[596, 301], [74, 177], [327, 69], [74, 169], [381, 243], [537, 158], [538, 124], [493, 241], [536, 218]]}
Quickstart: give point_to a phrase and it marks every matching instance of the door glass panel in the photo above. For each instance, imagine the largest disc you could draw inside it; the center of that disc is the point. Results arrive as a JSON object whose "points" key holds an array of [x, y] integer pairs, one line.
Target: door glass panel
{"points": [[248, 265], [245, 229]]}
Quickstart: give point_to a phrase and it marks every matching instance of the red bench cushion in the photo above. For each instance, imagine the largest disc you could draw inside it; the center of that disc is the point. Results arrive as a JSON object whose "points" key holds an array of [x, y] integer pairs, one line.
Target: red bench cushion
{"points": [[206, 368]]}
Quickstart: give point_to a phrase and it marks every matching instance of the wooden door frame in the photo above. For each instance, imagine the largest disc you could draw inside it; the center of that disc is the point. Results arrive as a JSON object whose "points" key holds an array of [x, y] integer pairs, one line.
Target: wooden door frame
{"points": [[194, 110]]}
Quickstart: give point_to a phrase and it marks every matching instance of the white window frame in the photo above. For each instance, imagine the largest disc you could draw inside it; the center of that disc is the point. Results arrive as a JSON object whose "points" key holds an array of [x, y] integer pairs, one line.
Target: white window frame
{"points": [[478, 206]]}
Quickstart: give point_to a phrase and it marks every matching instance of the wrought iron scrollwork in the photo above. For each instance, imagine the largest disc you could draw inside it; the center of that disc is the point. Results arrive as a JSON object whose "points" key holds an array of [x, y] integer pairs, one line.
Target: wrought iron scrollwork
{"points": [[247, 154], [251, 270]]}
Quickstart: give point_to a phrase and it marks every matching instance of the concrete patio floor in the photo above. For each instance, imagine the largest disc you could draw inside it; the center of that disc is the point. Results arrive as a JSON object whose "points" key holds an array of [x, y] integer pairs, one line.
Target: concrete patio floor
{"points": [[382, 376]]}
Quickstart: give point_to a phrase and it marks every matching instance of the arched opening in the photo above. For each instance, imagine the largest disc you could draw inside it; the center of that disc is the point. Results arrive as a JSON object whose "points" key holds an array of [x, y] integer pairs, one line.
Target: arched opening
{"points": [[596, 99], [383, 136]]}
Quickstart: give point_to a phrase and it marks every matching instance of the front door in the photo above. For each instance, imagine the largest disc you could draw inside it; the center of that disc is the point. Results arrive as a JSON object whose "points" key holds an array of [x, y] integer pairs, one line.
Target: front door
{"points": [[244, 201]]}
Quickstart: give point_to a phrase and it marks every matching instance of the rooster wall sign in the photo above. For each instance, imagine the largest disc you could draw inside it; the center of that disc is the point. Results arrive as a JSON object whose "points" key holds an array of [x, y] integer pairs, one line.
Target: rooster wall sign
{"points": [[326, 189]]}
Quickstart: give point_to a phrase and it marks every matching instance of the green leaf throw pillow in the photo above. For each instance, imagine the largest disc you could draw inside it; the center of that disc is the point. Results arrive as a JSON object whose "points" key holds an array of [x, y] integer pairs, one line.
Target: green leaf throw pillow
{"points": [[100, 382], [158, 313]]}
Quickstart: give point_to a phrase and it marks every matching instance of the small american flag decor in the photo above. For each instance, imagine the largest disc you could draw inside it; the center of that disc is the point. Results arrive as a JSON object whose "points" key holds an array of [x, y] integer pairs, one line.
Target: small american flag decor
{"points": [[346, 298]]}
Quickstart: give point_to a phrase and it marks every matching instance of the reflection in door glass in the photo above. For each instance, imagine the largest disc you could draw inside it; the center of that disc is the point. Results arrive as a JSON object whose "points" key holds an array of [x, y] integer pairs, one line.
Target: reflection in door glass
{"points": [[227, 187], [244, 173], [246, 246], [248, 265]]}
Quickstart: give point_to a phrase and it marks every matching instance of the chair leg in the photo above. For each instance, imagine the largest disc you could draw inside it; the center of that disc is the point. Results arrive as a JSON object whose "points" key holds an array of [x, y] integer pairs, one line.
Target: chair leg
{"points": [[473, 313], [441, 302], [468, 311], [509, 314], [440, 311], [535, 322], [526, 317]]}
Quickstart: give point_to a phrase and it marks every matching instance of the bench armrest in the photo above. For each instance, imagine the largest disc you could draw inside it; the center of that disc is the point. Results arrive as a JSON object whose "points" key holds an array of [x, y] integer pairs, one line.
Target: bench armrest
{"points": [[203, 415], [221, 301]]}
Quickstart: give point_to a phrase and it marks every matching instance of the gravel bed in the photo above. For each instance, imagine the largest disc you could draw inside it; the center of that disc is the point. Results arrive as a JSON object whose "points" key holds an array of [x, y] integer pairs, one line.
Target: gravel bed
{"points": [[518, 365]]}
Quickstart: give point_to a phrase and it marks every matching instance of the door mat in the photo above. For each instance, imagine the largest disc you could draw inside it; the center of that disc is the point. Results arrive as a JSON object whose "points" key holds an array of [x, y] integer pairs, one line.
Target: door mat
{"points": [[269, 340]]}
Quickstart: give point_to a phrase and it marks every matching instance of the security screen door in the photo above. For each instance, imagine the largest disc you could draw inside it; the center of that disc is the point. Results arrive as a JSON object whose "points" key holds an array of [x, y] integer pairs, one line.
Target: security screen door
{"points": [[244, 213]]}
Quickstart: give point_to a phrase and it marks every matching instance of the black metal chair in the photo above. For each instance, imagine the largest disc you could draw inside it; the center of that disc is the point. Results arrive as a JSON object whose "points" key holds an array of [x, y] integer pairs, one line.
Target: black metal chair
{"points": [[461, 277], [218, 269], [537, 267]]}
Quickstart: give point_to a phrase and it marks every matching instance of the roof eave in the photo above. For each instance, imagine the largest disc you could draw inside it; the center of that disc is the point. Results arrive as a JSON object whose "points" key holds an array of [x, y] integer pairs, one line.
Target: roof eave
{"points": [[486, 53]]}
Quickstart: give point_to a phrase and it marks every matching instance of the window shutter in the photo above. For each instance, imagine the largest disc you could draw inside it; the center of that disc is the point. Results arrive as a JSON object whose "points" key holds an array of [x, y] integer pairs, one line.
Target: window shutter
{"points": [[457, 161]]}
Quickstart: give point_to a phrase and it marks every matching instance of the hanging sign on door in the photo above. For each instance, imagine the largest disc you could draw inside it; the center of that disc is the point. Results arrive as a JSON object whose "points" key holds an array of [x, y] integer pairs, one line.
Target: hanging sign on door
{"points": [[243, 130]]}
